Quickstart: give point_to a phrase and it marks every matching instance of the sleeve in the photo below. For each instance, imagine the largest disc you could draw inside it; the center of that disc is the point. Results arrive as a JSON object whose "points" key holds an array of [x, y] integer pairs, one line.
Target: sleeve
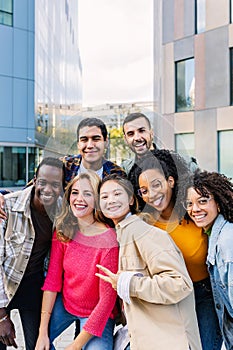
{"points": [[229, 269], [224, 262], [53, 281], [3, 296], [168, 281], [107, 296]]}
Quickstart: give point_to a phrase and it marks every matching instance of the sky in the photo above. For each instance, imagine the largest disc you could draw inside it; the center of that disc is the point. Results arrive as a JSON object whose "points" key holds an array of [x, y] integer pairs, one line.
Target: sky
{"points": [[116, 48]]}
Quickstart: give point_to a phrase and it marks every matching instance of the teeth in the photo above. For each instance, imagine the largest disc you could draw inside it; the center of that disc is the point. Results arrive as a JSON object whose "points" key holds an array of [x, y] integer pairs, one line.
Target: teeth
{"points": [[198, 217], [158, 201], [80, 206], [46, 196]]}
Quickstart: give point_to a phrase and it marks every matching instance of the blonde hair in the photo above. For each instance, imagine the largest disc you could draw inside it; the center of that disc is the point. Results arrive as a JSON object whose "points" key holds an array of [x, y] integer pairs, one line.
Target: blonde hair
{"points": [[66, 223]]}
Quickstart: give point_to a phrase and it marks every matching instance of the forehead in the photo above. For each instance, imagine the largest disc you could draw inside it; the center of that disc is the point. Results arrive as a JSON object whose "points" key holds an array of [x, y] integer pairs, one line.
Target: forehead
{"points": [[50, 172], [111, 186], [136, 124], [90, 131], [150, 175], [191, 192], [82, 184]]}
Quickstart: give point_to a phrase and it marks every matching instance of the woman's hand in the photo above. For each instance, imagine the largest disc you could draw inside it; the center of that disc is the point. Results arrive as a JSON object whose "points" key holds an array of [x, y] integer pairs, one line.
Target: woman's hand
{"points": [[110, 276], [42, 343], [73, 346]]}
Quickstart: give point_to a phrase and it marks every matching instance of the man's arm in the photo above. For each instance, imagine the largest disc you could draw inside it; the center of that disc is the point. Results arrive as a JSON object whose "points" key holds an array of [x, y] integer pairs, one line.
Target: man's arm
{"points": [[2, 212], [7, 329]]}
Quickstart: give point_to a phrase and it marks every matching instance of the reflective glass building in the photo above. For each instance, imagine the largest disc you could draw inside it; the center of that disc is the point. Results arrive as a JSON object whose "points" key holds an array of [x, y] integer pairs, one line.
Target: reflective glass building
{"points": [[40, 84]]}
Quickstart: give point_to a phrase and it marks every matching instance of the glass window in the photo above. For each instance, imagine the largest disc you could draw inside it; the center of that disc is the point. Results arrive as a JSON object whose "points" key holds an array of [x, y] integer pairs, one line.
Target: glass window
{"points": [[185, 85], [225, 159], [13, 166], [184, 144], [6, 12], [200, 14]]}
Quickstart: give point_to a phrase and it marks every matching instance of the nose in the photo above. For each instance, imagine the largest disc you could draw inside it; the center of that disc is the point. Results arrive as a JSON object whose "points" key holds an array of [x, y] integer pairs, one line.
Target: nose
{"points": [[195, 207], [79, 197], [111, 198], [137, 135], [48, 187], [152, 192], [90, 143]]}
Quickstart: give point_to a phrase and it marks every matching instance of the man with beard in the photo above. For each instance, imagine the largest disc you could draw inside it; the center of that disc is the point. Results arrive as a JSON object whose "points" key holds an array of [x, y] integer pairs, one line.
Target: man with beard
{"points": [[25, 239], [138, 135]]}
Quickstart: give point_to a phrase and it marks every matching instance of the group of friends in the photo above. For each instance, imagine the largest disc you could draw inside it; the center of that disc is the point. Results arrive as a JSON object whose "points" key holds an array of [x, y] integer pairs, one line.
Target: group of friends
{"points": [[89, 241]]}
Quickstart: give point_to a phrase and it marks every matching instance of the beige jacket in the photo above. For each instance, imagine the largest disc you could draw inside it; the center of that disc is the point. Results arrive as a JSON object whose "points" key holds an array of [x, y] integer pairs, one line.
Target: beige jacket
{"points": [[161, 315]]}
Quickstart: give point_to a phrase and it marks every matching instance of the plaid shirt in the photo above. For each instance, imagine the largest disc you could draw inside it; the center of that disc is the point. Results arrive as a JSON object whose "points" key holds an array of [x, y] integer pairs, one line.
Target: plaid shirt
{"points": [[16, 241], [108, 168]]}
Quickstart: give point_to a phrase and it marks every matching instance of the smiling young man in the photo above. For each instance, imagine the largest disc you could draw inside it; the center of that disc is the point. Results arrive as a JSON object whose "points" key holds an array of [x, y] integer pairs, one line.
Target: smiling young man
{"points": [[92, 141], [25, 239], [138, 135]]}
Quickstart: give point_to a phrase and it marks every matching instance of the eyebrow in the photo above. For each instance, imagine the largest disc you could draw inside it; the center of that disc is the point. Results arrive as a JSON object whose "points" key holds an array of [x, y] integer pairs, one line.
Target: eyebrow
{"points": [[90, 137]]}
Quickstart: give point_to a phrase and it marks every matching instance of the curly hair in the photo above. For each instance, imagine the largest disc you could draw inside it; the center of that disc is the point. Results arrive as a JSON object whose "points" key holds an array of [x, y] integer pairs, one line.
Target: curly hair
{"points": [[169, 163], [218, 185], [66, 223]]}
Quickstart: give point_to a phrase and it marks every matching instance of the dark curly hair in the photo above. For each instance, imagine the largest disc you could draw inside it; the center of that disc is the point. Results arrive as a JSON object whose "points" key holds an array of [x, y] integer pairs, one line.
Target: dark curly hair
{"points": [[169, 163], [218, 185]]}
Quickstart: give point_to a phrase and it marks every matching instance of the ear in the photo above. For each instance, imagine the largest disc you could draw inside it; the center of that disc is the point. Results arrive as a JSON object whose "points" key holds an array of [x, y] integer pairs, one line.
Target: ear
{"points": [[106, 143], [34, 180], [131, 201], [125, 139], [171, 182]]}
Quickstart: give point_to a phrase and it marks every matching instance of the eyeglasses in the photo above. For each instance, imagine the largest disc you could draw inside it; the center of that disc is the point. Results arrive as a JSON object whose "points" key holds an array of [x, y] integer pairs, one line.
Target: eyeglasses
{"points": [[156, 185], [201, 203]]}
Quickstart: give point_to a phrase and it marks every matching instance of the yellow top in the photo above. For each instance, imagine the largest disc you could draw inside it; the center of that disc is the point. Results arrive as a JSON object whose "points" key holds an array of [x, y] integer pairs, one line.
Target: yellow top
{"points": [[193, 244]]}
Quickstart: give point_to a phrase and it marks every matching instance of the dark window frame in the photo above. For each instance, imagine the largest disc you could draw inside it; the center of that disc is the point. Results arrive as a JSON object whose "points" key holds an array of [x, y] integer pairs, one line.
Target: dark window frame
{"points": [[231, 75], [178, 110], [8, 13]]}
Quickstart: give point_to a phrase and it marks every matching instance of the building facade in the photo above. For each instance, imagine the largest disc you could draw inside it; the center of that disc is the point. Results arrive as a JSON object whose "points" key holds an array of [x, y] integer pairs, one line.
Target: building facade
{"points": [[40, 83], [193, 55]]}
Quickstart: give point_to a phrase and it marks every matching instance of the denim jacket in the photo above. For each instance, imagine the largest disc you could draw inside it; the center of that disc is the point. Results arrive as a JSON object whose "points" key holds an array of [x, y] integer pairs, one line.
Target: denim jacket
{"points": [[220, 265]]}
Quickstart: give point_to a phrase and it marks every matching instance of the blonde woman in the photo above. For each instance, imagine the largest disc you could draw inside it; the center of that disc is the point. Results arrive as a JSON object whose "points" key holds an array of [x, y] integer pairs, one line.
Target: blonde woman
{"points": [[80, 242]]}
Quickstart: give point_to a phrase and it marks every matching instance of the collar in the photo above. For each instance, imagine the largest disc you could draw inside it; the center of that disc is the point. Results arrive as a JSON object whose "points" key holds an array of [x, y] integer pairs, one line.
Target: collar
{"points": [[127, 220], [213, 240]]}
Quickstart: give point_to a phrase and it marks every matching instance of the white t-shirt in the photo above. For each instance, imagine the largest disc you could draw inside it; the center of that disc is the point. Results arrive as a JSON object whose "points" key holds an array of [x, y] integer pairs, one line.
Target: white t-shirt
{"points": [[99, 172]]}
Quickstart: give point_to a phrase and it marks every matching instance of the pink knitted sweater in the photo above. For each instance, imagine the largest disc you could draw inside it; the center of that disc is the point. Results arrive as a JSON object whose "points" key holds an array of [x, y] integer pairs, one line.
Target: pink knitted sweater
{"points": [[72, 269]]}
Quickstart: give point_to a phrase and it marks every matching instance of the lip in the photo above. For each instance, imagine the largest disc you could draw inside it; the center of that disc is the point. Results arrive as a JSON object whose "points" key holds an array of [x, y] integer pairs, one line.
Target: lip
{"points": [[199, 217], [139, 144], [80, 206], [90, 152], [113, 208], [157, 201], [46, 197]]}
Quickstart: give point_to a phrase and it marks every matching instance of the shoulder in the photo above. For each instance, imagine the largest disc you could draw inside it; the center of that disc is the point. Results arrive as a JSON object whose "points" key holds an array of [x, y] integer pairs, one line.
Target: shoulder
{"points": [[127, 165], [20, 195], [108, 239], [112, 168]]}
